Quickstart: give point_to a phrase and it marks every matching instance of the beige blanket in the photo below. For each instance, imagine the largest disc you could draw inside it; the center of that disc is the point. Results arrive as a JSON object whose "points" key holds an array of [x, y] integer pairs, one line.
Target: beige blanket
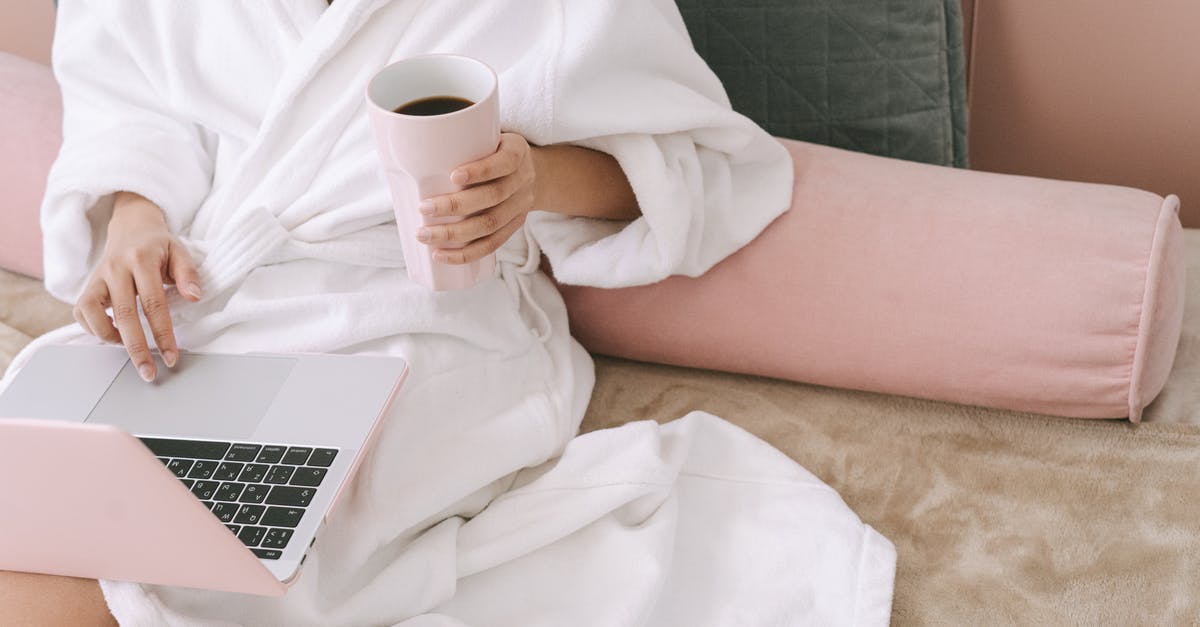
{"points": [[998, 517]]}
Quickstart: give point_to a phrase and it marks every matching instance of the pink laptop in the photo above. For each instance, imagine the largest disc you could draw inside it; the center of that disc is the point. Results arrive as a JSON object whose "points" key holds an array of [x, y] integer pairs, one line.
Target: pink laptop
{"points": [[219, 475]]}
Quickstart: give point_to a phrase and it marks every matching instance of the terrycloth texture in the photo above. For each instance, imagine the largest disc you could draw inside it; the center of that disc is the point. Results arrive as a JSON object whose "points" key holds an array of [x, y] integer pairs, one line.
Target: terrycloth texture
{"points": [[294, 137], [887, 78], [890, 276], [30, 113], [997, 517], [263, 103]]}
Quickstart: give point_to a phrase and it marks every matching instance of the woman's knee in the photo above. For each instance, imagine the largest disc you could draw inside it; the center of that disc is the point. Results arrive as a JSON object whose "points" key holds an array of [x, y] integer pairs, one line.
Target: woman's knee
{"points": [[29, 599]]}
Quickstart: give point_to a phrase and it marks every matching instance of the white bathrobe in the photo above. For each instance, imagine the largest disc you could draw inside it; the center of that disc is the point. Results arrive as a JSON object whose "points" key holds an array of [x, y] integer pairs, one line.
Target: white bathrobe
{"points": [[244, 121]]}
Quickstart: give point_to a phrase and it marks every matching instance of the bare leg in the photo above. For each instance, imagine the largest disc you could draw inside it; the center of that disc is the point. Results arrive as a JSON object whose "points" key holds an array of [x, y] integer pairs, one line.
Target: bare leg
{"points": [[37, 600]]}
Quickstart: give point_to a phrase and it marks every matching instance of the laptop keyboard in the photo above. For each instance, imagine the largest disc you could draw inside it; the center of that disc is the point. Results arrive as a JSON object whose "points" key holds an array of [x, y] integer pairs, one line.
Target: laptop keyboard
{"points": [[258, 490]]}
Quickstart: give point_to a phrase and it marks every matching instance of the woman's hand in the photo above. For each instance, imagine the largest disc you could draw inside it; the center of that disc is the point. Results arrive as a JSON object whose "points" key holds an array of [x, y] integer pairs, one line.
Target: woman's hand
{"points": [[500, 191], [140, 256]]}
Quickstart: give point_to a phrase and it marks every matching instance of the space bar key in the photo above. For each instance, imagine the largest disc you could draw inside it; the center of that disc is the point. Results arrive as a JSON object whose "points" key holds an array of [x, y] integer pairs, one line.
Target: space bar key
{"points": [[195, 449]]}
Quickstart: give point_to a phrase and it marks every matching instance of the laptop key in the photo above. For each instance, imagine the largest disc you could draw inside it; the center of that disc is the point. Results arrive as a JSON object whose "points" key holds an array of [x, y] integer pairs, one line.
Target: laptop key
{"points": [[209, 504], [235, 528], [230, 491], [309, 476], [249, 514], [228, 471], [243, 452], [180, 467], [203, 470], [276, 538], [190, 483], [280, 474], [254, 493], [283, 516], [271, 454], [267, 554], [164, 460], [322, 457], [195, 449], [225, 511], [285, 495], [253, 473], [251, 536], [297, 455], [204, 490]]}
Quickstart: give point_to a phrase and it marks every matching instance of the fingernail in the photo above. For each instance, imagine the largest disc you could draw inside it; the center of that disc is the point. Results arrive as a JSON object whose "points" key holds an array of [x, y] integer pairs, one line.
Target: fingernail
{"points": [[439, 257], [459, 177], [193, 288], [147, 372], [423, 235], [426, 207], [170, 357]]}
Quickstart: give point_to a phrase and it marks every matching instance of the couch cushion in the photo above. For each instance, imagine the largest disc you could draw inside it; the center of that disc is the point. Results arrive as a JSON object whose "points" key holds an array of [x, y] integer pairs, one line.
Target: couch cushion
{"points": [[897, 277], [886, 78], [30, 132]]}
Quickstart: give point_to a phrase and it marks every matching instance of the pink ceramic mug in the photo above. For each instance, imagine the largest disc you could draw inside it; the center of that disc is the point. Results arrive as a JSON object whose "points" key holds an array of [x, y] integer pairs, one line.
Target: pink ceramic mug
{"points": [[419, 152]]}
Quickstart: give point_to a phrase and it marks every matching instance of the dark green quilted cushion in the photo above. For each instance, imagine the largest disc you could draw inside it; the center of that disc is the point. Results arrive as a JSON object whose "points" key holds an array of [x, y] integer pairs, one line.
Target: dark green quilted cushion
{"points": [[878, 76]]}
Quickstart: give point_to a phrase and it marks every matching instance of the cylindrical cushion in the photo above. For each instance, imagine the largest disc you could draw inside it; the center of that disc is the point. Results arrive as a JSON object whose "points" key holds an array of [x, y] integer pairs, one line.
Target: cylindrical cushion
{"points": [[30, 133], [889, 276]]}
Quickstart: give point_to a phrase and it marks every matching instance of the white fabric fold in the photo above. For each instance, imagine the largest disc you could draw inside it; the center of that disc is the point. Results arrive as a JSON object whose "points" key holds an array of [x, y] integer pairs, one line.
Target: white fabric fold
{"points": [[629, 83], [119, 134], [478, 506]]}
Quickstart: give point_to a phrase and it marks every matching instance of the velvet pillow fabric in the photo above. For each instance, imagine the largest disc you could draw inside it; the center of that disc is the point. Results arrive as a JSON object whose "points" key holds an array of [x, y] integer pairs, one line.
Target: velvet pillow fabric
{"points": [[904, 278], [30, 132]]}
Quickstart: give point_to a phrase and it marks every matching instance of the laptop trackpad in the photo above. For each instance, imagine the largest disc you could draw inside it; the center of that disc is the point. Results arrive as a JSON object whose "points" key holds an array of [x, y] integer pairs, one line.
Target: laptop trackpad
{"points": [[205, 396]]}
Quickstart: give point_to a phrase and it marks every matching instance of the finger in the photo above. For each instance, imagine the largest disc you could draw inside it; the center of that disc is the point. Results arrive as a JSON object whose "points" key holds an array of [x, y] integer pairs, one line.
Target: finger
{"points": [[129, 325], [479, 248], [512, 151], [148, 281], [473, 199], [477, 226], [181, 271], [91, 308], [80, 320]]}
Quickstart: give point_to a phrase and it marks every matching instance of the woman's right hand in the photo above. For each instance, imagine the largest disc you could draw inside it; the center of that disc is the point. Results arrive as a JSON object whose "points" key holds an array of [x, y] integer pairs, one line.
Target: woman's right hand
{"points": [[139, 257]]}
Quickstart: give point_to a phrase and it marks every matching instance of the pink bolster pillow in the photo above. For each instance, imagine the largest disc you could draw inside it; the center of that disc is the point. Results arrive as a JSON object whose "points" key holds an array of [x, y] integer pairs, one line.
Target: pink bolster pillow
{"points": [[30, 133], [896, 277]]}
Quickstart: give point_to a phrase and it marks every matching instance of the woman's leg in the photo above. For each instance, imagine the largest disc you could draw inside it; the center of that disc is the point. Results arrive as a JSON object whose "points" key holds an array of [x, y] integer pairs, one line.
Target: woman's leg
{"points": [[36, 600]]}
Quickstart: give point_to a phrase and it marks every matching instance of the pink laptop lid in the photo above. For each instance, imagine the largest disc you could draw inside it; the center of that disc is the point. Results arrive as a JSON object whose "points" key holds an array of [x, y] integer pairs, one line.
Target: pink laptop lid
{"points": [[91, 501]]}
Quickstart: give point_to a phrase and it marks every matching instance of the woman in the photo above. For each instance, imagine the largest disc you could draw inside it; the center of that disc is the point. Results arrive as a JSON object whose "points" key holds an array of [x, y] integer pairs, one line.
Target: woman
{"points": [[223, 148]]}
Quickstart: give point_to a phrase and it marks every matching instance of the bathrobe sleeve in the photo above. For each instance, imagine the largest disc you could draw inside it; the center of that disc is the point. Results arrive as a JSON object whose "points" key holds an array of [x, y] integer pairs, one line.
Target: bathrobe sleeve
{"points": [[628, 82], [119, 134]]}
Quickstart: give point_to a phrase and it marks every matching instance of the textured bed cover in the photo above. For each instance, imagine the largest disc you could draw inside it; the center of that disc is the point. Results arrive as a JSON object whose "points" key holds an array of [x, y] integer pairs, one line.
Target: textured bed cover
{"points": [[997, 517]]}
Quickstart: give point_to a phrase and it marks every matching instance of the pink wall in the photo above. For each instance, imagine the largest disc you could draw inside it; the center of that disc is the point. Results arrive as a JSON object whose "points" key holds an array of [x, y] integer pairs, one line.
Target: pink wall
{"points": [[1098, 91], [26, 28]]}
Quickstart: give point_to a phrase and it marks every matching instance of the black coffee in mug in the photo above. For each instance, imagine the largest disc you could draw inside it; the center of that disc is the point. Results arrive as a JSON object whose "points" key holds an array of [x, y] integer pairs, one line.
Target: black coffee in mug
{"points": [[436, 105]]}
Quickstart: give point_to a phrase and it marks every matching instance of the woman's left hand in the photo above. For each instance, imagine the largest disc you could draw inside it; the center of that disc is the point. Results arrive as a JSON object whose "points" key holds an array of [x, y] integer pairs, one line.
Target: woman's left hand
{"points": [[500, 190]]}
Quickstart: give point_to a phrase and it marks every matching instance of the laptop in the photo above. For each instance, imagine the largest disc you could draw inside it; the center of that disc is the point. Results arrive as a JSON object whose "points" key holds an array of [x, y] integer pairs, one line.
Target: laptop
{"points": [[217, 475]]}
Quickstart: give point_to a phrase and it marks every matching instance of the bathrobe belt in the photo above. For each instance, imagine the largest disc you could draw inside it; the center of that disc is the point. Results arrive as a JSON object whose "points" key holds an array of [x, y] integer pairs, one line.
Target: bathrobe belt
{"points": [[257, 238]]}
